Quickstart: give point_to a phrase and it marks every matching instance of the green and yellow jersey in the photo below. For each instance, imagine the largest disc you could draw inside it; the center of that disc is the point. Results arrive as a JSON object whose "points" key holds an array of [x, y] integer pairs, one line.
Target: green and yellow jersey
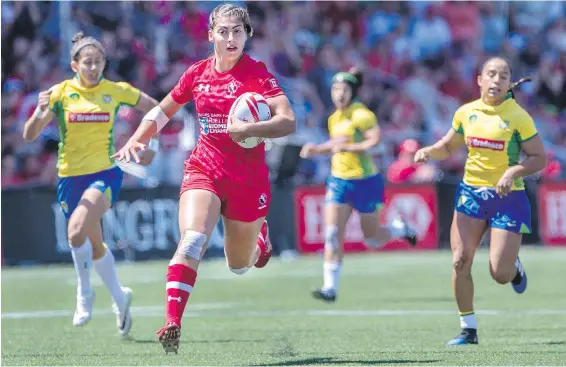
{"points": [[493, 135], [350, 125], [86, 118]]}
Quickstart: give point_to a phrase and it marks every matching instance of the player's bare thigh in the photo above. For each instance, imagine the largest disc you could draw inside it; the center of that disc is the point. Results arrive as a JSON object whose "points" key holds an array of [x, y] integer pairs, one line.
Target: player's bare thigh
{"points": [[87, 215], [240, 241], [198, 213], [503, 251], [465, 237], [335, 219]]}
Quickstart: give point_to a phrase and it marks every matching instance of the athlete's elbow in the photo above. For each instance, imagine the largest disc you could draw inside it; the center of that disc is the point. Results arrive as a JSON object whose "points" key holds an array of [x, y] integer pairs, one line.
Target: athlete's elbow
{"points": [[291, 125], [29, 136], [542, 161]]}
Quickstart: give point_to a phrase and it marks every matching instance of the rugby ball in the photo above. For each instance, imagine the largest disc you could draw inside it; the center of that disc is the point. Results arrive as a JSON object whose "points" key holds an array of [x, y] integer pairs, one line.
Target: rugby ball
{"points": [[250, 107]]}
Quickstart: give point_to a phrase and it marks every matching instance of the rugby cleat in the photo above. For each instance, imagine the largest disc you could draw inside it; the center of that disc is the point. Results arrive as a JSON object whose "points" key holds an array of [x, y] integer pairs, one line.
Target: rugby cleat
{"points": [[123, 316], [83, 312], [169, 337], [410, 235], [519, 284], [265, 247], [326, 295], [467, 336]]}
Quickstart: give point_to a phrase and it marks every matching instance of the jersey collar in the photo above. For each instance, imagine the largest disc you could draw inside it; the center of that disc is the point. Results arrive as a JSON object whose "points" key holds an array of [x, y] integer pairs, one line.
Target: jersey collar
{"points": [[78, 85], [505, 105]]}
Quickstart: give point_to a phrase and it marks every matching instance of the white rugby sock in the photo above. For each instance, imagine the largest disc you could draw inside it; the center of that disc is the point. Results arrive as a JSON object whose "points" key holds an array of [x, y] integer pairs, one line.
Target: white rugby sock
{"points": [[82, 258], [106, 269], [397, 229], [331, 271], [468, 320]]}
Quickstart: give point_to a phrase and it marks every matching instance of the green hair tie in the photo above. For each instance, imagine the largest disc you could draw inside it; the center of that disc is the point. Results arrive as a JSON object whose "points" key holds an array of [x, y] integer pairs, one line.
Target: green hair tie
{"points": [[345, 77]]}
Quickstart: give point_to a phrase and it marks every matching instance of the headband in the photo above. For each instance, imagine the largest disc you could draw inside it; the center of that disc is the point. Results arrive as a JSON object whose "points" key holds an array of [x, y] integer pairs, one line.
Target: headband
{"points": [[347, 78], [84, 42]]}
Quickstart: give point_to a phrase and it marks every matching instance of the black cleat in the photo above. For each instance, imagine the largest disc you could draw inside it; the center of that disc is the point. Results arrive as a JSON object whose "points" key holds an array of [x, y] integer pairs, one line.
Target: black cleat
{"points": [[410, 235], [467, 336], [324, 294]]}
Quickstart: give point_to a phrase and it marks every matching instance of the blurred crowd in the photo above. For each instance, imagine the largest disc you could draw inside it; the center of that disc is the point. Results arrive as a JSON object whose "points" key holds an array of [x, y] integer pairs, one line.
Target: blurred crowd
{"points": [[420, 61]]}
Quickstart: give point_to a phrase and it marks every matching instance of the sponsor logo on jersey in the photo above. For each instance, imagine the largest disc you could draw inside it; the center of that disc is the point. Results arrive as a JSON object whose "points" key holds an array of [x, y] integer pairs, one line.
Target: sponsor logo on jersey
{"points": [[107, 98], [64, 207], [497, 145], [203, 88], [503, 124], [273, 83], [262, 201], [472, 118], [233, 87], [203, 121], [89, 117]]}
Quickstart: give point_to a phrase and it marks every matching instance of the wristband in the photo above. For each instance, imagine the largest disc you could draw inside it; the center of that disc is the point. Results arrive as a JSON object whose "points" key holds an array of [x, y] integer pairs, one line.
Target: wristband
{"points": [[38, 113]]}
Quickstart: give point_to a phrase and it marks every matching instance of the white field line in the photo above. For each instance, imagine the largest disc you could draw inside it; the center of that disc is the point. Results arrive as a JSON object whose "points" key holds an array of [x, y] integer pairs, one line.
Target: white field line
{"points": [[202, 311]]}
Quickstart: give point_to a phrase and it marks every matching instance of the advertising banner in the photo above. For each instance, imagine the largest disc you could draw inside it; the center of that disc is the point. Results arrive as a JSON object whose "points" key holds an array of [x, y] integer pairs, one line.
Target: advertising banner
{"points": [[552, 213], [417, 204]]}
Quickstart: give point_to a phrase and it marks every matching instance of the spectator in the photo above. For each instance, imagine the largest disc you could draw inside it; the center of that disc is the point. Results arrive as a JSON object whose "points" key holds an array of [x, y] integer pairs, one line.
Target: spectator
{"points": [[404, 170], [423, 58]]}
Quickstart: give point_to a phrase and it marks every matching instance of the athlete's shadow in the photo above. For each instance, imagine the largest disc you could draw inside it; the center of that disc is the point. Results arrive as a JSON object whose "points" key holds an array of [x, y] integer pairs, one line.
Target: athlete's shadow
{"points": [[562, 342], [131, 339], [336, 361], [220, 341]]}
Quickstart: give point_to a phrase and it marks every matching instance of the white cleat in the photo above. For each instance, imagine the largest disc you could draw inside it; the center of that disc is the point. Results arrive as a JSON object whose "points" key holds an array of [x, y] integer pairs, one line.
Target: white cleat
{"points": [[83, 312], [123, 316]]}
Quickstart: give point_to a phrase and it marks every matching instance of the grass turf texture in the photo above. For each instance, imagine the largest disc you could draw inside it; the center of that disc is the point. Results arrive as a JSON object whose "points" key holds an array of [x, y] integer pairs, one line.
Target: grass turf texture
{"points": [[392, 309]]}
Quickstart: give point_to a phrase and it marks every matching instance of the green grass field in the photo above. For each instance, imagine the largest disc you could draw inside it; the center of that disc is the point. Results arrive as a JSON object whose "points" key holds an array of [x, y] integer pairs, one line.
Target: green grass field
{"points": [[393, 309]]}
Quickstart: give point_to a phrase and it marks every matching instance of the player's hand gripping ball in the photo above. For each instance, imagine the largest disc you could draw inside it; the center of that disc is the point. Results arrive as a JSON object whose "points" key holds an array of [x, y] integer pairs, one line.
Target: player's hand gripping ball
{"points": [[248, 108]]}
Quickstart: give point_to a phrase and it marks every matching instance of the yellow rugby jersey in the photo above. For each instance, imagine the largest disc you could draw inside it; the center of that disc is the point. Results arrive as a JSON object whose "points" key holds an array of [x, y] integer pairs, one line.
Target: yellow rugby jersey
{"points": [[350, 126], [86, 119], [493, 135]]}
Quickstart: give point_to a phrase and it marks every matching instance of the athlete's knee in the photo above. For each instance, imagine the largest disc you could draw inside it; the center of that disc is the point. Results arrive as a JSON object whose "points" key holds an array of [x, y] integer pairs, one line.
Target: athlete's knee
{"points": [[239, 270], [373, 242], [331, 241], [192, 244], [461, 261], [76, 233], [501, 274]]}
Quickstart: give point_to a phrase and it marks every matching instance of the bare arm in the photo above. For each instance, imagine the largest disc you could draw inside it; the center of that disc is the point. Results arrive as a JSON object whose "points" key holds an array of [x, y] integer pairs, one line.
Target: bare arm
{"points": [[371, 139], [535, 161], [40, 118], [442, 149], [148, 128], [146, 103], [281, 124]]}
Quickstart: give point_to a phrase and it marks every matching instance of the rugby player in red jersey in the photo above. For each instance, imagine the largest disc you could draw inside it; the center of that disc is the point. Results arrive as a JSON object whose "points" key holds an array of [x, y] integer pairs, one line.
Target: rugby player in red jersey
{"points": [[221, 177]]}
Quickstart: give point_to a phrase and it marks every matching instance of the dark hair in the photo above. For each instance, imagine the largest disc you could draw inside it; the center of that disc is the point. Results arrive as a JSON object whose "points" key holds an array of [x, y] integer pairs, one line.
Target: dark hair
{"points": [[80, 41], [77, 37], [231, 10], [513, 85], [358, 74]]}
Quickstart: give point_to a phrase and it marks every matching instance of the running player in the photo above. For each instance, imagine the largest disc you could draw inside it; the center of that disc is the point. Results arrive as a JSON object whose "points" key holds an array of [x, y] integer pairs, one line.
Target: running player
{"points": [[492, 194], [219, 171], [89, 181], [355, 183]]}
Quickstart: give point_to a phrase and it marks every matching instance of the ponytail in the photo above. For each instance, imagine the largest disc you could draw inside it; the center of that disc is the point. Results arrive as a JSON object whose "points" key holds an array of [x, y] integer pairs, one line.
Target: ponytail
{"points": [[516, 84]]}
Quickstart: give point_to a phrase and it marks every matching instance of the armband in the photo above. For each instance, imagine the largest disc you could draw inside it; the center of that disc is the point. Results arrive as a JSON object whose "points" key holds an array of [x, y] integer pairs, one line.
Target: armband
{"points": [[156, 114]]}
